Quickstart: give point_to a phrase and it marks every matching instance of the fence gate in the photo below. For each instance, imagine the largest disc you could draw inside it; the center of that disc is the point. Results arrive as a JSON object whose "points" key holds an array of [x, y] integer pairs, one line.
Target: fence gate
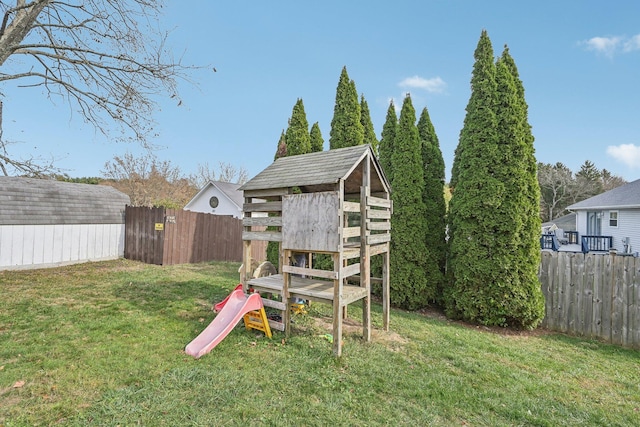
{"points": [[171, 236]]}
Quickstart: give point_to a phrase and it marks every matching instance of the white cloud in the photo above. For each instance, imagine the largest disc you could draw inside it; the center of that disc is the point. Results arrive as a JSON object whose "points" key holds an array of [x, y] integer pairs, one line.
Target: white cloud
{"points": [[609, 46], [628, 154], [604, 45], [433, 85], [632, 44]]}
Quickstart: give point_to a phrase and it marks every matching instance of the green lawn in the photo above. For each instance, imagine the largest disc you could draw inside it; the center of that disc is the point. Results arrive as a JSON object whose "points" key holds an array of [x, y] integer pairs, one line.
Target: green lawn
{"points": [[102, 344]]}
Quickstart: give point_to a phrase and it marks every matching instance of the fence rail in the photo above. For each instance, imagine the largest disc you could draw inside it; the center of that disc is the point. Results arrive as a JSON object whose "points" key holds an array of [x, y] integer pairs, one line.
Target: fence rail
{"points": [[592, 295]]}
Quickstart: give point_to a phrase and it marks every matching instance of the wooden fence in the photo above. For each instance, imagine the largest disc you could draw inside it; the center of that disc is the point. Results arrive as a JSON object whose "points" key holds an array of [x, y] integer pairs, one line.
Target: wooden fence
{"points": [[170, 236], [592, 295]]}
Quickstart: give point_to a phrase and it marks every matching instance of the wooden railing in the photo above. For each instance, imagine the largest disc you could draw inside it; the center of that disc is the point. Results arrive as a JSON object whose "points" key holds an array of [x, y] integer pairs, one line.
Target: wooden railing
{"points": [[549, 241], [596, 243]]}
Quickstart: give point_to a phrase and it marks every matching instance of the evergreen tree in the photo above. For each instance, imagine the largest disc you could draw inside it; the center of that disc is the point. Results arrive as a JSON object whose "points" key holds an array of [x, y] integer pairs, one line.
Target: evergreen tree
{"points": [[410, 288], [527, 302], [281, 150], [367, 125], [387, 140], [297, 136], [433, 198], [273, 248], [317, 143], [494, 254], [475, 249], [346, 128]]}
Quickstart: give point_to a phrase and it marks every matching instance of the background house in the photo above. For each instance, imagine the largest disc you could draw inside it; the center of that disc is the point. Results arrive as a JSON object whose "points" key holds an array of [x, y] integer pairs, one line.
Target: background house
{"points": [[218, 198], [615, 213], [46, 223]]}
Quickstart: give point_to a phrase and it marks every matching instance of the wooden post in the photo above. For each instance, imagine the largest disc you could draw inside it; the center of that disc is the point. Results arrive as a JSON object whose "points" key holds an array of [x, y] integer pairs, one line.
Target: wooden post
{"points": [[365, 252], [385, 289], [337, 305], [286, 279]]}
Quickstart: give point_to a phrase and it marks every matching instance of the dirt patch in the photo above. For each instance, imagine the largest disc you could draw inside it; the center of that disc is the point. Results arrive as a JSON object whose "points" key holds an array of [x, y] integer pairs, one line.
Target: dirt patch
{"points": [[352, 327], [435, 313]]}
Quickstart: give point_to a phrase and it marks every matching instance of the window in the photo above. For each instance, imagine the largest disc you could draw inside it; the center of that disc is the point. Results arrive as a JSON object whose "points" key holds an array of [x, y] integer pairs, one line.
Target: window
{"points": [[613, 219], [213, 202]]}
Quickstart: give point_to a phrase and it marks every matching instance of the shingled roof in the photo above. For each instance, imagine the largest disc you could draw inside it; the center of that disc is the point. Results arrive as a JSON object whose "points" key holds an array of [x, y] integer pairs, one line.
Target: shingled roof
{"points": [[29, 201], [625, 196], [317, 169]]}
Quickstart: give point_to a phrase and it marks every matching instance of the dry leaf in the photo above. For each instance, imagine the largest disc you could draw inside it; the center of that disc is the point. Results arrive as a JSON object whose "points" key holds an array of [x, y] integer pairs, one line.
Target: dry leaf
{"points": [[18, 384]]}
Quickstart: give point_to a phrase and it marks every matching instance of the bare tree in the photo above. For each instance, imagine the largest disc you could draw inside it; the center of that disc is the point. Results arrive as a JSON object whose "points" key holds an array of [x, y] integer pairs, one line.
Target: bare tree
{"points": [[556, 183], [226, 173], [106, 59], [148, 181]]}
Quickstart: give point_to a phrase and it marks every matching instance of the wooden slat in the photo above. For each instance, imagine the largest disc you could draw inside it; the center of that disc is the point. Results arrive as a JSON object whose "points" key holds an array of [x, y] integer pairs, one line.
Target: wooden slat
{"points": [[375, 239], [278, 326], [378, 202], [351, 207], [381, 225], [350, 270], [275, 221], [270, 236], [266, 193], [274, 304], [379, 249], [310, 272], [379, 214], [350, 232], [356, 278], [262, 207], [350, 253]]}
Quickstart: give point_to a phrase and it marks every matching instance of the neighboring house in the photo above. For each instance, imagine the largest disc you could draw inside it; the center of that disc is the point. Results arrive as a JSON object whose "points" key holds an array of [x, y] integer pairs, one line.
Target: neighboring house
{"points": [[565, 222], [218, 198], [615, 213], [46, 223]]}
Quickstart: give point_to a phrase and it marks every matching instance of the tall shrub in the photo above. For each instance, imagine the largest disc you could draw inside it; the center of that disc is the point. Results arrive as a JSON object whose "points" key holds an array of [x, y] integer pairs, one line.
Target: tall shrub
{"points": [[408, 280], [346, 128], [433, 198]]}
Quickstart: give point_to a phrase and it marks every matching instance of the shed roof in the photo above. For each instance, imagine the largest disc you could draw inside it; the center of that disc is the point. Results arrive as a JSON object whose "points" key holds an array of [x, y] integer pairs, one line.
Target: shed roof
{"points": [[625, 196], [30, 201], [318, 169]]}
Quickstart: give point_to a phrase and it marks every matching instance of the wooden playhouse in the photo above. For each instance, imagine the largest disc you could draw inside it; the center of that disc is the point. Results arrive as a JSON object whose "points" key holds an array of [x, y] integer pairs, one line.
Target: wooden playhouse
{"points": [[334, 202]]}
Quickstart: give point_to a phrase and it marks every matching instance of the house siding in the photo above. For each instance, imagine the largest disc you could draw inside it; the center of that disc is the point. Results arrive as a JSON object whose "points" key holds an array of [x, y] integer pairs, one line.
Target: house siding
{"points": [[225, 206], [628, 226], [39, 246]]}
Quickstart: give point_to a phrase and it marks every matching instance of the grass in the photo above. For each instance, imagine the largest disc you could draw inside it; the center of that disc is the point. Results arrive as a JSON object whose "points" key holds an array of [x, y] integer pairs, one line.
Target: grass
{"points": [[102, 344]]}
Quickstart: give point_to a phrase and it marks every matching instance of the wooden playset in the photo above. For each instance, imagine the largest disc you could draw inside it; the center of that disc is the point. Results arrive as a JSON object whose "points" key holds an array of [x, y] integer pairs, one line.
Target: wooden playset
{"points": [[334, 202]]}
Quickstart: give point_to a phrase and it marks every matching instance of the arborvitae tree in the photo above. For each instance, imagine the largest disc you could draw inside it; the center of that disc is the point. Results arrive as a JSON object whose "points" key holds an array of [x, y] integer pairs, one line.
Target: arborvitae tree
{"points": [[317, 143], [367, 125], [493, 238], [433, 198], [385, 148], [273, 248], [527, 302], [346, 128], [410, 287], [475, 248], [387, 141], [297, 135], [281, 150]]}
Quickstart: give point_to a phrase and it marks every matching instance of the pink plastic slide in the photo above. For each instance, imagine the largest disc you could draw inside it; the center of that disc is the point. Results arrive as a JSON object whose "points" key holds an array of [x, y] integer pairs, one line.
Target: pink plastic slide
{"points": [[236, 306]]}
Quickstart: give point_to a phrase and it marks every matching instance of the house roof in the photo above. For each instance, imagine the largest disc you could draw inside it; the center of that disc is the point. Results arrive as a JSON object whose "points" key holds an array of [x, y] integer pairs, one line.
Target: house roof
{"points": [[30, 201], [317, 169], [229, 189], [625, 196], [565, 222]]}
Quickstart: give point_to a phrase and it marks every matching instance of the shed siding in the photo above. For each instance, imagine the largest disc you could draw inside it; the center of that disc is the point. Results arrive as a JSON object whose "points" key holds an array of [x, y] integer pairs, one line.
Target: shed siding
{"points": [[38, 246]]}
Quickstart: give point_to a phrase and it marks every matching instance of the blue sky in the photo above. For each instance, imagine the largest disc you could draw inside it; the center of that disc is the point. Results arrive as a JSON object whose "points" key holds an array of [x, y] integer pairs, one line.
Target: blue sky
{"points": [[579, 62]]}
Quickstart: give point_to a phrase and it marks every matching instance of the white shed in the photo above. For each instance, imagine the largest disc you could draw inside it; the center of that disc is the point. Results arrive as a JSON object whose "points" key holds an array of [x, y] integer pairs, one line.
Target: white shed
{"points": [[47, 223]]}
